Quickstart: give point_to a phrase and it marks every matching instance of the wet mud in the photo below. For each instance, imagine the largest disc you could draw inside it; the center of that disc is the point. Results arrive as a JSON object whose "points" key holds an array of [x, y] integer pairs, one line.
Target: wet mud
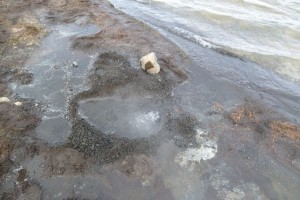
{"points": [[105, 129]]}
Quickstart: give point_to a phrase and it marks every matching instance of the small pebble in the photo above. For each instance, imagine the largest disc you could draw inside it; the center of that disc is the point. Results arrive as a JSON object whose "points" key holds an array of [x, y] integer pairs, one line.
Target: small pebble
{"points": [[75, 64]]}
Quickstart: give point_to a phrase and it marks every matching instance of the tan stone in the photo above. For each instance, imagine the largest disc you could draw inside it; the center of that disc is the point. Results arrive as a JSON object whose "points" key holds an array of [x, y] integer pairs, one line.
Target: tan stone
{"points": [[149, 63]]}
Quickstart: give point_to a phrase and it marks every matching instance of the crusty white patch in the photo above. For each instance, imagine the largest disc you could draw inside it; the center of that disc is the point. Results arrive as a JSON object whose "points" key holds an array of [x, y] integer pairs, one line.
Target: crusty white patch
{"points": [[240, 191], [207, 150]]}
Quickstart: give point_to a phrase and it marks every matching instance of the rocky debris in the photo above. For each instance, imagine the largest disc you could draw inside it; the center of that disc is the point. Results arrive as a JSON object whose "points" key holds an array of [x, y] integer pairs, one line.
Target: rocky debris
{"points": [[149, 63], [106, 148], [28, 30], [184, 124], [4, 100]]}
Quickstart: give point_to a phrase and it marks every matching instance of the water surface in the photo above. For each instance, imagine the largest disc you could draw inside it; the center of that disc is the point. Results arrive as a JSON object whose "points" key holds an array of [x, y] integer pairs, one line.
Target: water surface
{"points": [[267, 32]]}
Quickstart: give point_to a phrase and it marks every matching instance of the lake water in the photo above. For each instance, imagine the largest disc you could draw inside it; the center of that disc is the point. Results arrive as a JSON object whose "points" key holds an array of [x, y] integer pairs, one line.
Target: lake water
{"points": [[266, 32]]}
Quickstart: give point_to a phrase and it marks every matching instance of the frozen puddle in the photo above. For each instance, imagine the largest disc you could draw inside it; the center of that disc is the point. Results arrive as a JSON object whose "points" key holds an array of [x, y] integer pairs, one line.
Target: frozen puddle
{"points": [[131, 118], [55, 80], [206, 150]]}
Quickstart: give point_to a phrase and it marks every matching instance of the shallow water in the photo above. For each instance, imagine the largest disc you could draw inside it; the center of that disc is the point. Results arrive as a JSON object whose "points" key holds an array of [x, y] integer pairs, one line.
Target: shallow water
{"points": [[267, 32]]}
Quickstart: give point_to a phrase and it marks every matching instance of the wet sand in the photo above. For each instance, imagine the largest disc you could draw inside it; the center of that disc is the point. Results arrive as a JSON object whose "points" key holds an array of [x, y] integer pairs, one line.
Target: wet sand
{"points": [[105, 129]]}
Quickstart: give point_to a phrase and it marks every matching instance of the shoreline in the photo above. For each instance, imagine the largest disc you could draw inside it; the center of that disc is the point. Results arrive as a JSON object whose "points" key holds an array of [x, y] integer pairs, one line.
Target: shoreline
{"points": [[71, 126], [199, 28]]}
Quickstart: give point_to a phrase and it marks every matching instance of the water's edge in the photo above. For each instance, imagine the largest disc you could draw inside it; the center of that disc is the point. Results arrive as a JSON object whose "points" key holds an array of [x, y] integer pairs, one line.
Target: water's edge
{"points": [[251, 30]]}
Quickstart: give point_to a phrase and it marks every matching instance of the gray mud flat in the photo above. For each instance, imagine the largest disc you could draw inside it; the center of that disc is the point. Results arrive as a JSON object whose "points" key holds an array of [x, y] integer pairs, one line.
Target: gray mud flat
{"points": [[105, 129]]}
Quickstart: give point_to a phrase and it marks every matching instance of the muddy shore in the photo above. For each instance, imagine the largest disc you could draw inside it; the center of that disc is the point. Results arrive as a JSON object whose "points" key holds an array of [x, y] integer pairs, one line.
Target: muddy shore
{"points": [[105, 129]]}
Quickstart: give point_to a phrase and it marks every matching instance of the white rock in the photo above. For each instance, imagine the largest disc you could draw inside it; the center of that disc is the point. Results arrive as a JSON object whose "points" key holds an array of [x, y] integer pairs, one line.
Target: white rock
{"points": [[4, 100], [75, 64], [149, 63], [18, 103]]}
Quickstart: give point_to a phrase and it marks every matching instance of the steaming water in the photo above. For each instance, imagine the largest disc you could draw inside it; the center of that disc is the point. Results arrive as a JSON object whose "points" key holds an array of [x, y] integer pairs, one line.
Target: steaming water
{"points": [[264, 31]]}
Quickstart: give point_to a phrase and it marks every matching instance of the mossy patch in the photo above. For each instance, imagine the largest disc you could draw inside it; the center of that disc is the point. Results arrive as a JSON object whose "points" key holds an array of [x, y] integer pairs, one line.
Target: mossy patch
{"points": [[28, 30]]}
